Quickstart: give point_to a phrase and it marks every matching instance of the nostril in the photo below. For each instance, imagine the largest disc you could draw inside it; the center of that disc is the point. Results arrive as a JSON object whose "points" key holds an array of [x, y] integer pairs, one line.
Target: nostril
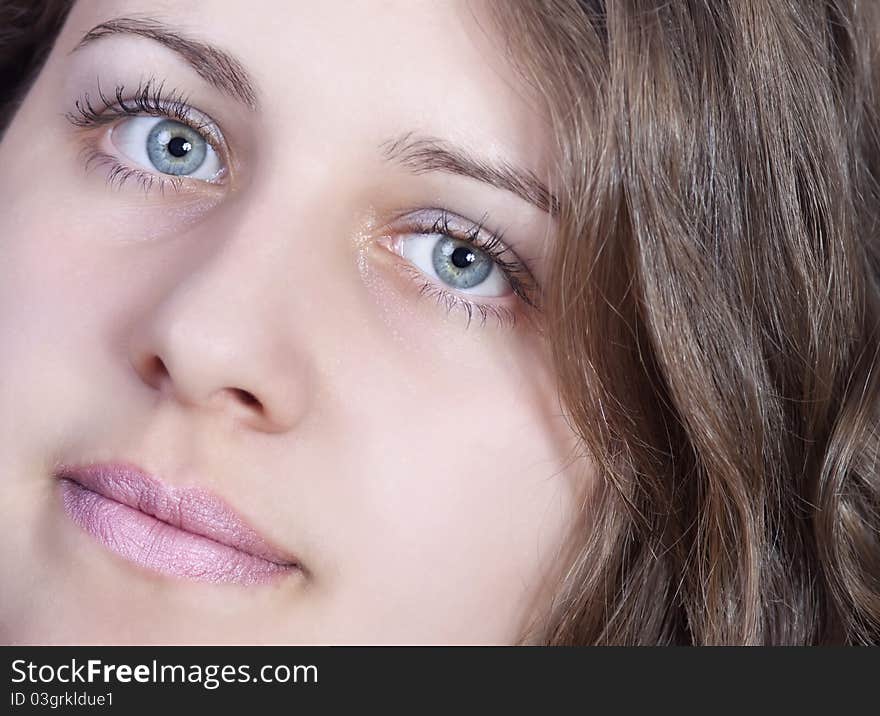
{"points": [[157, 367], [153, 372], [246, 397]]}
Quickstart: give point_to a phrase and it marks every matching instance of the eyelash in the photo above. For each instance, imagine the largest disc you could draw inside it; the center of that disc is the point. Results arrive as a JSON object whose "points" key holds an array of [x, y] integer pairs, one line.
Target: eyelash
{"points": [[517, 274], [150, 98]]}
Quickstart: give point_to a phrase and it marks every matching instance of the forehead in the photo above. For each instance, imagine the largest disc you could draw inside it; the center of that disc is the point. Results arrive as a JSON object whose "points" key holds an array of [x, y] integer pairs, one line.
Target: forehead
{"points": [[391, 65]]}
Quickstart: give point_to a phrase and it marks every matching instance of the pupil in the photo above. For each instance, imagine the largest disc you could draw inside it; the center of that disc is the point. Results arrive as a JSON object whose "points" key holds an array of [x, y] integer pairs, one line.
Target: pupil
{"points": [[179, 146], [462, 257]]}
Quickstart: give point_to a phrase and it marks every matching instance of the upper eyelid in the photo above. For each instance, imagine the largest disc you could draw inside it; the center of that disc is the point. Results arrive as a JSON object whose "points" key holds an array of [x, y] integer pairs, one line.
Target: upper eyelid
{"points": [[173, 105], [428, 217], [218, 67]]}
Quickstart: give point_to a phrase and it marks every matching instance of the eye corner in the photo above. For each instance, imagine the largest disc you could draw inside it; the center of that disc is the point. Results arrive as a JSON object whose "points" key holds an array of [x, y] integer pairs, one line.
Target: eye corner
{"points": [[387, 240]]}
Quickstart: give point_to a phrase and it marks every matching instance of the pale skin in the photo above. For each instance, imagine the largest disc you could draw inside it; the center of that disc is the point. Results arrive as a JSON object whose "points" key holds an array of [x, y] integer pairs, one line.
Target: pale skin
{"points": [[261, 338]]}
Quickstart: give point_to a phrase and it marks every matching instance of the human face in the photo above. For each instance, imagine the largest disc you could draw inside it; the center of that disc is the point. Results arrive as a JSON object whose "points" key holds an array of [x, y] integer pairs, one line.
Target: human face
{"points": [[277, 328]]}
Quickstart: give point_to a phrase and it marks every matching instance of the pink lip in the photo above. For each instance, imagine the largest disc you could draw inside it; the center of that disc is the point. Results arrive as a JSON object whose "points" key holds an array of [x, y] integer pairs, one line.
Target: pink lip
{"points": [[183, 532]]}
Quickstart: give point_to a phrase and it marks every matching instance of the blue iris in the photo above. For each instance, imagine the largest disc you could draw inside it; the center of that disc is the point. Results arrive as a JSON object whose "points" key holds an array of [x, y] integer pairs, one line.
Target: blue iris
{"points": [[460, 263], [174, 148]]}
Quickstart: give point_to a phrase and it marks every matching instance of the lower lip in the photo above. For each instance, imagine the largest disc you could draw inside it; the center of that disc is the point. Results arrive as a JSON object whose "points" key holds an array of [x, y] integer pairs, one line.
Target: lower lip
{"points": [[156, 545]]}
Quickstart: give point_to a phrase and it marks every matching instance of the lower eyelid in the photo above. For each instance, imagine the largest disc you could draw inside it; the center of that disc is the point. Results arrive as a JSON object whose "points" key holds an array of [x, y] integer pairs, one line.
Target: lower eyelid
{"points": [[482, 311], [93, 156], [118, 175]]}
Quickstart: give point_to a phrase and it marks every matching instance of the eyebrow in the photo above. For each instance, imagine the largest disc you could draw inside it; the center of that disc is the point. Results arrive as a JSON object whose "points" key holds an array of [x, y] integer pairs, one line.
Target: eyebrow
{"points": [[421, 154], [219, 68]]}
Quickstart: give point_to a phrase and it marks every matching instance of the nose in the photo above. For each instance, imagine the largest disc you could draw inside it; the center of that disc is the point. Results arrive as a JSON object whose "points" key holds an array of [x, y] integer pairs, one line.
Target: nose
{"points": [[216, 340]]}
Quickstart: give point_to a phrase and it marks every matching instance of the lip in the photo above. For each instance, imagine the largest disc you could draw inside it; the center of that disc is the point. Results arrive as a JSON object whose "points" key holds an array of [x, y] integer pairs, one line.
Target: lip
{"points": [[182, 532]]}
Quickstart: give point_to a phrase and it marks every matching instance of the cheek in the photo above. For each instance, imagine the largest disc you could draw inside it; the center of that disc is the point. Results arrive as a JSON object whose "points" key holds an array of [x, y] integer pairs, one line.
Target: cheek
{"points": [[458, 495], [58, 299], [54, 284]]}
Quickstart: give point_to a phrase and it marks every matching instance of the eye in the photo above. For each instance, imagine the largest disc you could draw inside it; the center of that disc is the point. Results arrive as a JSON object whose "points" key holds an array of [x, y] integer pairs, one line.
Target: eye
{"points": [[167, 146], [457, 263]]}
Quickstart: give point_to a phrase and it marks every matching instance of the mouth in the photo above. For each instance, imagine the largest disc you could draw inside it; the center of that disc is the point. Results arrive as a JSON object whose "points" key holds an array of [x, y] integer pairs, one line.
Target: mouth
{"points": [[180, 532]]}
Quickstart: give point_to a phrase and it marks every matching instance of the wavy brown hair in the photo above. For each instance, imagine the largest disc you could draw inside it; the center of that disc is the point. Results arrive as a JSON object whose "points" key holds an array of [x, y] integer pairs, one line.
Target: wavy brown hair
{"points": [[714, 294], [716, 300]]}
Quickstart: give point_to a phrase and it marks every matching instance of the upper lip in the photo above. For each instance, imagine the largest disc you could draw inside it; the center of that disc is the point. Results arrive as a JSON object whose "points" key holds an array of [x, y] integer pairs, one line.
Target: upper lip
{"points": [[188, 508]]}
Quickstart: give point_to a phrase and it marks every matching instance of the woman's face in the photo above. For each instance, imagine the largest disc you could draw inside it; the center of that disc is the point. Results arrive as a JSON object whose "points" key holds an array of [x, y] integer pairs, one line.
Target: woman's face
{"points": [[277, 310]]}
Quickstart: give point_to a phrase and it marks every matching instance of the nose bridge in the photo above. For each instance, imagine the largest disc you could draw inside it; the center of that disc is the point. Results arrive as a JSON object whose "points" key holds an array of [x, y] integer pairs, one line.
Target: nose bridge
{"points": [[222, 335]]}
